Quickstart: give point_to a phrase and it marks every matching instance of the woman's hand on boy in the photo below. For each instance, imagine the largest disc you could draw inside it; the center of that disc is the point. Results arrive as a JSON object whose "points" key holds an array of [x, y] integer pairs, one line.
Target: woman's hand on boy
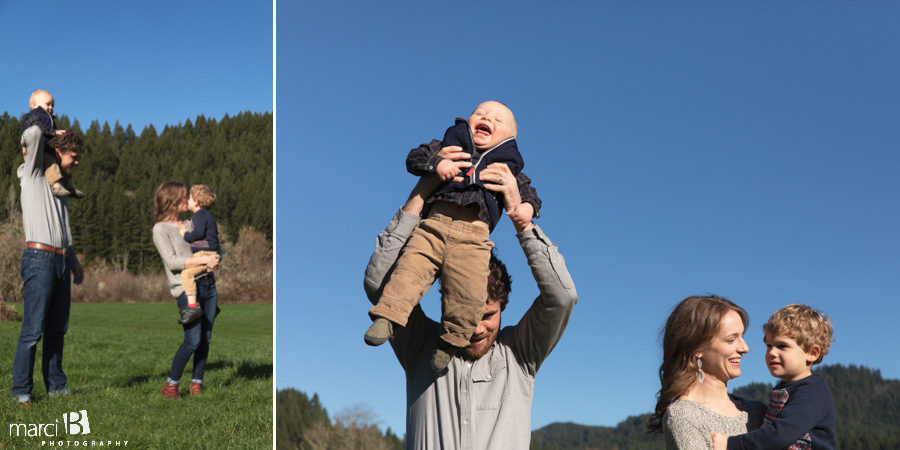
{"points": [[212, 262], [719, 441]]}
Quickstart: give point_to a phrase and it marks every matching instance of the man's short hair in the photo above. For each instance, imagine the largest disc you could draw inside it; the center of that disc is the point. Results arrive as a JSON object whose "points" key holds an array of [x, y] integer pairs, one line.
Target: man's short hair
{"points": [[68, 141], [499, 282], [803, 324], [203, 195]]}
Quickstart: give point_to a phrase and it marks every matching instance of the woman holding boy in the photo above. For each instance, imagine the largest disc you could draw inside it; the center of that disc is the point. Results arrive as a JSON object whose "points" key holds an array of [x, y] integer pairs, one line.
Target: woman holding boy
{"points": [[170, 200], [703, 343]]}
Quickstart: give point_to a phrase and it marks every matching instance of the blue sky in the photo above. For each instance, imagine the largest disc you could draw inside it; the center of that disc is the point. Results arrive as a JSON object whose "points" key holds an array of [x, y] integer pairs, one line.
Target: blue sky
{"points": [[139, 63], [741, 149]]}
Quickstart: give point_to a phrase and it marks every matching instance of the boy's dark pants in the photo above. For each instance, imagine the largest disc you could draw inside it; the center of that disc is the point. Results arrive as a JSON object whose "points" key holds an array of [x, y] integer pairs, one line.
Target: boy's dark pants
{"points": [[460, 251], [187, 275]]}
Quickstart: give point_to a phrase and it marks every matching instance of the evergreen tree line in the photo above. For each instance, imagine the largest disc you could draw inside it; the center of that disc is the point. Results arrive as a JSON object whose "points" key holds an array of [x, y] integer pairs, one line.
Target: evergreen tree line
{"points": [[302, 423], [121, 170], [867, 409]]}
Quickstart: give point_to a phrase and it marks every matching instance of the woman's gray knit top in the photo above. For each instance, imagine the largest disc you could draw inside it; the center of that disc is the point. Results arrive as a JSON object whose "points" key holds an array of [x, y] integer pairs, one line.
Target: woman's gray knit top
{"points": [[686, 424], [173, 250]]}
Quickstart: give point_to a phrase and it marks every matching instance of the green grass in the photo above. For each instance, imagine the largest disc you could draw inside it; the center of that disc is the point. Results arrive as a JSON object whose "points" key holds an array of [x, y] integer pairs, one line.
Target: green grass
{"points": [[117, 357]]}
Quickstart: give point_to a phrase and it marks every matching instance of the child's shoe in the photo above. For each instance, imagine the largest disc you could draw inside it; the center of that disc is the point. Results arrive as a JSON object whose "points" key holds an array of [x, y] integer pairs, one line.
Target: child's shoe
{"points": [[75, 192], [379, 332], [190, 314], [60, 191], [442, 355], [196, 388], [64, 188], [169, 390]]}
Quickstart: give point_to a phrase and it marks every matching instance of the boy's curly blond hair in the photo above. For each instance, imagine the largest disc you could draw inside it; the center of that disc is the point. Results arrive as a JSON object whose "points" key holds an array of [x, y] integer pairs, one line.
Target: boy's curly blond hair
{"points": [[203, 195], [803, 324]]}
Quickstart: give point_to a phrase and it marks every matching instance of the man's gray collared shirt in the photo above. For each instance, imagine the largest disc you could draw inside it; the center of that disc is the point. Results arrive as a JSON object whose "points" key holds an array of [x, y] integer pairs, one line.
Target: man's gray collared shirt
{"points": [[45, 217], [485, 404]]}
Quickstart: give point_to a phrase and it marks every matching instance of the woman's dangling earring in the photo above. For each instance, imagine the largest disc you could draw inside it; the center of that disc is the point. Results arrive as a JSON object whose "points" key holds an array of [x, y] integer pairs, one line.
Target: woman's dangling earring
{"points": [[700, 375]]}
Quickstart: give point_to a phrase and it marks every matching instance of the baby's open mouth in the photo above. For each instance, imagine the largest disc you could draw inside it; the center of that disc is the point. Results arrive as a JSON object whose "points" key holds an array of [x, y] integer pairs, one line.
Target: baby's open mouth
{"points": [[483, 128]]}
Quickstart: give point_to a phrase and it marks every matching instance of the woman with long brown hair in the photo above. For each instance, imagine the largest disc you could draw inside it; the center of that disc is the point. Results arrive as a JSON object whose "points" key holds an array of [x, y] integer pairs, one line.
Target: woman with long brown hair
{"points": [[703, 343], [169, 201]]}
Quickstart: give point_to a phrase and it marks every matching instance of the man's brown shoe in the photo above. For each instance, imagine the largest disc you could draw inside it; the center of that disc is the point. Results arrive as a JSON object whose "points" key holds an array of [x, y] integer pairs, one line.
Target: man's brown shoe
{"points": [[196, 388], [169, 390]]}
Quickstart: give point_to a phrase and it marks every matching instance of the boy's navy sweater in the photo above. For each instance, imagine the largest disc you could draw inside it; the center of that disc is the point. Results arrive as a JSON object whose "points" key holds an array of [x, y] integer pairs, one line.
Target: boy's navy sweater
{"points": [[490, 203], [40, 117], [204, 234], [800, 417]]}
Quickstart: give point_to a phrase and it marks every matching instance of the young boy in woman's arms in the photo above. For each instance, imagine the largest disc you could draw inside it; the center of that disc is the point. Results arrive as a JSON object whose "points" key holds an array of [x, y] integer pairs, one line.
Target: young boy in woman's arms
{"points": [[203, 235], [801, 411], [452, 241]]}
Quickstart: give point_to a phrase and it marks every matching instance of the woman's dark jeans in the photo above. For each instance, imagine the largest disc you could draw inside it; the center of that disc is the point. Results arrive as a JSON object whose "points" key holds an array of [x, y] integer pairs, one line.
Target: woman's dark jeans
{"points": [[198, 333]]}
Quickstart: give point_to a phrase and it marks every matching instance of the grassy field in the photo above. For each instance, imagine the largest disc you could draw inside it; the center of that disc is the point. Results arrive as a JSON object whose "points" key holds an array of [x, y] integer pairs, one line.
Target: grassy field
{"points": [[117, 357]]}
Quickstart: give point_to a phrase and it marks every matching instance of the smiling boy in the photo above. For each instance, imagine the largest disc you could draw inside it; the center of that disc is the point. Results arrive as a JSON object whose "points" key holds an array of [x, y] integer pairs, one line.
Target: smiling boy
{"points": [[41, 105], [801, 411], [453, 241]]}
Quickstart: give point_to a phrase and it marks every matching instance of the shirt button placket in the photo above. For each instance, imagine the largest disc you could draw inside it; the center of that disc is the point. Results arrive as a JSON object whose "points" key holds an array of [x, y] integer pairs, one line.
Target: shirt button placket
{"points": [[465, 408]]}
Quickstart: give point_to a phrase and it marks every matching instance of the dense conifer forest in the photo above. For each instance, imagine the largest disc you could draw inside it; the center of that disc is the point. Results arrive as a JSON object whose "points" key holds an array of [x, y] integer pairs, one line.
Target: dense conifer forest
{"points": [[121, 169], [867, 408]]}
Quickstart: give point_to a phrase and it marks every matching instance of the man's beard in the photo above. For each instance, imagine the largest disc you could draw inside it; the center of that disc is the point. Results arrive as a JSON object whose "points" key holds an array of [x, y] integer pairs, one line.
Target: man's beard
{"points": [[471, 352]]}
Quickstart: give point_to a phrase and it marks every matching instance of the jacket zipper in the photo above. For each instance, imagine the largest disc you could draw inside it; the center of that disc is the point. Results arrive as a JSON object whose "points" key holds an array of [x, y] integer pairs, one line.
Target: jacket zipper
{"points": [[480, 158]]}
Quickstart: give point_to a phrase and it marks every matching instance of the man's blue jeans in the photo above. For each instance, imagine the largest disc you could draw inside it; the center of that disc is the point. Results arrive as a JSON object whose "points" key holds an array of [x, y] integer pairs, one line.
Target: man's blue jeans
{"points": [[198, 333], [47, 299]]}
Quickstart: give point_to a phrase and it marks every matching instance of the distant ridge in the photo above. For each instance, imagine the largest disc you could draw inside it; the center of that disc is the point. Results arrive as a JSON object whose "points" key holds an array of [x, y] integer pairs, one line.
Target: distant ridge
{"points": [[867, 408]]}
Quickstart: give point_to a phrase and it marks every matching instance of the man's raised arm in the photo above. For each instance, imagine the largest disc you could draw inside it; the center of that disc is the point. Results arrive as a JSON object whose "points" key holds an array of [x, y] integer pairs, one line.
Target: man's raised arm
{"points": [[543, 324], [32, 140], [545, 321], [392, 239]]}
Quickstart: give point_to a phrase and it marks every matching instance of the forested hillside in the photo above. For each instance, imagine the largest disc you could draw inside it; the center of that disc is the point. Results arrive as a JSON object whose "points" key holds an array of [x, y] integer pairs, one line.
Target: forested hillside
{"points": [[867, 408], [303, 423], [121, 169]]}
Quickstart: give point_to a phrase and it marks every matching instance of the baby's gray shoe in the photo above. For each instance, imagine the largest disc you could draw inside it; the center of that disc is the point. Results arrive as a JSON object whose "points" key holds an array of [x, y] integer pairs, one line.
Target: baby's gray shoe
{"points": [[380, 331], [441, 357], [60, 191], [190, 314]]}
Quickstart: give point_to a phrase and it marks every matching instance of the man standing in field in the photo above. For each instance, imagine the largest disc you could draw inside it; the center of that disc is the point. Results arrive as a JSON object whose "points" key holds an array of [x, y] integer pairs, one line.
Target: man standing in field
{"points": [[46, 265], [483, 399]]}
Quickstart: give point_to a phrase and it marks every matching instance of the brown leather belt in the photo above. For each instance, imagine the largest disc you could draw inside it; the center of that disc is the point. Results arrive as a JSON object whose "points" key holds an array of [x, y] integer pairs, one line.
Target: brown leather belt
{"points": [[49, 248]]}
